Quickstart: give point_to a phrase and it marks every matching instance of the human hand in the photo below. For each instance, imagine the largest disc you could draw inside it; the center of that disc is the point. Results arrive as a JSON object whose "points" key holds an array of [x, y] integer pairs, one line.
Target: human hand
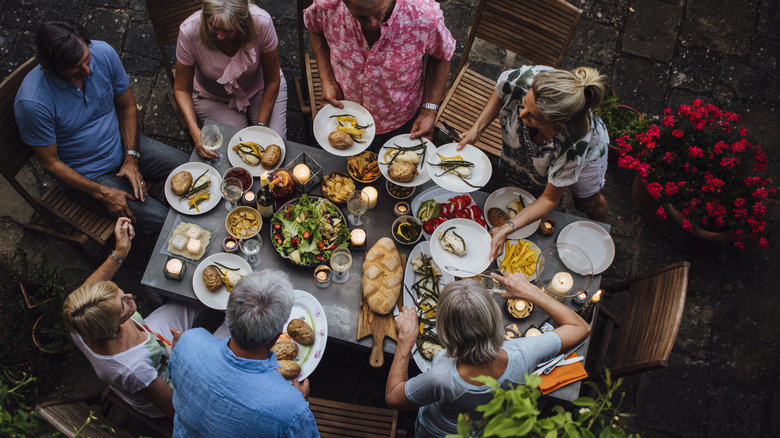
{"points": [[130, 171], [423, 125], [176, 335], [497, 241], [208, 155], [115, 201], [331, 94], [124, 233], [407, 327], [469, 137], [517, 286], [302, 386]]}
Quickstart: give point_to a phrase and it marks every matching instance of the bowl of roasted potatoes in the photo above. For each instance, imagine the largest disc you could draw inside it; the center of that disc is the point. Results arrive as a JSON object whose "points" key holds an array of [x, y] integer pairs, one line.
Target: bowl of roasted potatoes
{"points": [[241, 219], [364, 167], [336, 187]]}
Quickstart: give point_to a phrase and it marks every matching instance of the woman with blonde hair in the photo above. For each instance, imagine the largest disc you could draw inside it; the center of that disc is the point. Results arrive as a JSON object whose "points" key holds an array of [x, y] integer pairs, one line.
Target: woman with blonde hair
{"points": [[227, 69], [129, 353], [551, 141], [468, 321]]}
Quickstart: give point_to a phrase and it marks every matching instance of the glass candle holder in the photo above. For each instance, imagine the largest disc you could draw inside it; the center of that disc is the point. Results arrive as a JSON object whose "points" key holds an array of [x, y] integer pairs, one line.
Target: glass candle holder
{"points": [[533, 331], [249, 199], [230, 244], [174, 268], [581, 298], [400, 209], [547, 226], [323, 276], [511, 331], [357, 240]]}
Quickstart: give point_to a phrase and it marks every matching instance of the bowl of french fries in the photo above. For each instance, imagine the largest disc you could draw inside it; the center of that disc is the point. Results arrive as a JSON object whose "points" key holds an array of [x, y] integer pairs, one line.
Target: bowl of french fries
{"points": [[364, 167], [519, 255], [337, 186], [241, 219]]}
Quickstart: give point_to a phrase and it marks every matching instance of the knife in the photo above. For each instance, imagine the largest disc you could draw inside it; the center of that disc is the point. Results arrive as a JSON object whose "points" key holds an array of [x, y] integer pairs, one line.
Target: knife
{"points": [[450, 132], [548, 366]]}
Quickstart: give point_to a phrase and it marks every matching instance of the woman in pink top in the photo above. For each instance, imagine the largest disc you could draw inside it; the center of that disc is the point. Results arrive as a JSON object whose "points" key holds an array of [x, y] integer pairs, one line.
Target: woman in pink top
{"points": [[227, 69]]}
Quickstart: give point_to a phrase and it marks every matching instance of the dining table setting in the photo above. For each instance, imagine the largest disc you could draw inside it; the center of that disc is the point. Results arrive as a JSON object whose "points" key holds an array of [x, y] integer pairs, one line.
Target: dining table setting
{"points": [[342, 221]]}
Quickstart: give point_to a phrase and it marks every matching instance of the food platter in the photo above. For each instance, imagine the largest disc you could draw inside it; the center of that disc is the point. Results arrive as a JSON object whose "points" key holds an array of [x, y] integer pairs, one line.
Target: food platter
{"points": [[477, 248], [324, 124], [307, 308], [404, 140], [261, 135], [410, 277], [535, 247], [500, 198], [179, 203], [481, 171], [309, 252], [438, 194], [592, 239], [217, 300]]}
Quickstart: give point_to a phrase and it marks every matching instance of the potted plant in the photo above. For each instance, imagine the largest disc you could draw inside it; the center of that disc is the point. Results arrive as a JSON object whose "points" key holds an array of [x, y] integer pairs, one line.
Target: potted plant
{"points": [[703, 174], [620, 120]]}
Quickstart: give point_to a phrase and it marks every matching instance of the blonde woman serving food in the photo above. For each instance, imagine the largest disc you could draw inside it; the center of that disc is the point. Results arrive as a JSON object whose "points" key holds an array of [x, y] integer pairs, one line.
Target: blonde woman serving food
{"points": [[227, 69], [551, 140]]}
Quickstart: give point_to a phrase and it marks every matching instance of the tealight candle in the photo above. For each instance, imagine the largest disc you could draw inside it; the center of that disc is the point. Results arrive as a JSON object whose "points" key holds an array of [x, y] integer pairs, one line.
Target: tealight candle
{"points": [[401, 209], [581, 298], [230, 244], [372, 194], [511, 331], [533, 331], [561, 283], [302, 173], [174, 269], [358, 237], [547, 226], [322, 275], [248, 199]]}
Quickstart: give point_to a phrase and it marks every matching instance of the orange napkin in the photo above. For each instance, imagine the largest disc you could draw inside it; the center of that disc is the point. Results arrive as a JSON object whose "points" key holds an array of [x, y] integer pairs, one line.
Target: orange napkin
{"points": [[562, 376]]}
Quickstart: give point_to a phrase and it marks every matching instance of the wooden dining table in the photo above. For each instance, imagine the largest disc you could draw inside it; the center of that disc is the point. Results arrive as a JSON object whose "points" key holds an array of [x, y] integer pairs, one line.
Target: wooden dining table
{"points": [[340, 302]]}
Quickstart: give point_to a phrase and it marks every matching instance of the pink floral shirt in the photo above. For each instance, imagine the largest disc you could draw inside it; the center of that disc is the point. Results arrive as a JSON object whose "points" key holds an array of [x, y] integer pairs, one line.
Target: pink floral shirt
{"points": [[387, 79]]}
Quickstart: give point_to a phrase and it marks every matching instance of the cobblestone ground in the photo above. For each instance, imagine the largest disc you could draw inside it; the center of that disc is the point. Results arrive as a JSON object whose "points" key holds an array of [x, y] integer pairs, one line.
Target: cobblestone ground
{"points": [[722, 379]]}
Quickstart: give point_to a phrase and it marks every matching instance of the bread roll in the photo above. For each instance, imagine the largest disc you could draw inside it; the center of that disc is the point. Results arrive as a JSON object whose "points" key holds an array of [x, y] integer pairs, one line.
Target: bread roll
{"points": [[181, 182], [497, 217], [402, 172], [271, 156], [289, 369], [212, 278], [285, 350], [340, 140], [382, 276], [300, 332]]}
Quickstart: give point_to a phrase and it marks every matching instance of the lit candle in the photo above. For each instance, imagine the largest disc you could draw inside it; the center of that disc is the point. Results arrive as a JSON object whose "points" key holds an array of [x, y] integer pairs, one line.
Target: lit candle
{"points": [[322, 275], [561, 283], [581, 298], [401, 209], [372, 195], [358, 237], [520, 305], [547, 227], [230, 244], [248, 199], [533, 331], [302, 173], [174, 269]]}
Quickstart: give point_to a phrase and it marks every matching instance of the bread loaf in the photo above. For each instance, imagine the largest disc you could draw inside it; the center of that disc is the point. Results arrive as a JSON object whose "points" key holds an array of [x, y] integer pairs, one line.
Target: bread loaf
{"points": [[382, 276]]}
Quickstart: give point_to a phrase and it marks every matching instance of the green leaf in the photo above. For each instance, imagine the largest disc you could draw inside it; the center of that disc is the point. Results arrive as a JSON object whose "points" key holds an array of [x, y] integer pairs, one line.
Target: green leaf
{"points": [[584, 402], [552, 434], [571, 431], [587, 433], [486, 380]]}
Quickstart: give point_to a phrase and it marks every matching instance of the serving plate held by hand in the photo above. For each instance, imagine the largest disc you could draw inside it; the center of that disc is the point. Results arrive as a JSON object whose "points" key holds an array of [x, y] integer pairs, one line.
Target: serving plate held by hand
{"points": [[535, 247], [179, 203], [592, 239], [500, 198], [261, 135], [477, 241], [480, 173], [217, 300], [404, 140], [307, 308], [324, 124]]}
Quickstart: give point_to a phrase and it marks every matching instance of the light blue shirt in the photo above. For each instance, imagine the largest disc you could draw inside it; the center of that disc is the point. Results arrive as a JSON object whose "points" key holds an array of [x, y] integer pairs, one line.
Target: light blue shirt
{"points": [[83, 123], [218, 394], [443, 394]]}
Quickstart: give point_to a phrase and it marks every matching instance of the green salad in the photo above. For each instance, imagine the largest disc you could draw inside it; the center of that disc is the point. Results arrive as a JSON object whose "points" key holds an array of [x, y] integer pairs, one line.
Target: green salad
{"points": [[307, 230]]}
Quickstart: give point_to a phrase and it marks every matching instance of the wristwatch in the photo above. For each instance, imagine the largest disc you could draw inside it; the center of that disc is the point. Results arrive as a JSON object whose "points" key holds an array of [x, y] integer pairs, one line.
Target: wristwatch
{"points": [[136, 154], [116, 258], [430, 106], [258, 123]]}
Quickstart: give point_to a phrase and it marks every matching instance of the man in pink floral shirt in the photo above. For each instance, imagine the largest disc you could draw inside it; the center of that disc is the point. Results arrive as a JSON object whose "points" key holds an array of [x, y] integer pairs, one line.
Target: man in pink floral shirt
{"points": [[372, 52]]}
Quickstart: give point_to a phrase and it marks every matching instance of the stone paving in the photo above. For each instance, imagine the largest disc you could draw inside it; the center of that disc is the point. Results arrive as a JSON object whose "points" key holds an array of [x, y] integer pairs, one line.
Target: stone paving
{"points": [[722, 379]]}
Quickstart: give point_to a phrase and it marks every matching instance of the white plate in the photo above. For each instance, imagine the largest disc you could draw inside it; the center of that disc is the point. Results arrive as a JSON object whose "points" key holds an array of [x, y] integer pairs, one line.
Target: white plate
{"points": [[307, 307], [500, 198], [594, 240], [480, 174], [258, 134], [534, 246], [477, 247], [324, 125], [438, 194], [217, 300], [196, 169], [404, 140], [410, 277]]}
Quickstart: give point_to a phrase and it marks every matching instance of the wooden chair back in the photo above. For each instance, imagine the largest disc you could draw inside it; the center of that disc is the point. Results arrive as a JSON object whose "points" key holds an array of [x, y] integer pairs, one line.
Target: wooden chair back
{"points": [[166, 17], [59, 215], [308, 85], [337, 420], [651, 320]]}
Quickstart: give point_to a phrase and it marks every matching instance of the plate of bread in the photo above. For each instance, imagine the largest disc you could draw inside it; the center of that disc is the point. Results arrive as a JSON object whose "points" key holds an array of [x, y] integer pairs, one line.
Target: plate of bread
{"points": [[344, 132], [256, 148], [215, 276], [193, 188], [402, 160], [504, 204], [300, 347]]}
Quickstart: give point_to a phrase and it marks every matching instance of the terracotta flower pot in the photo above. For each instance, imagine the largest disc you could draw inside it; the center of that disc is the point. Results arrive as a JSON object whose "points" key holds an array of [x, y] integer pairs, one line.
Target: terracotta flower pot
{"points": [[43, 340], [697, 241]]}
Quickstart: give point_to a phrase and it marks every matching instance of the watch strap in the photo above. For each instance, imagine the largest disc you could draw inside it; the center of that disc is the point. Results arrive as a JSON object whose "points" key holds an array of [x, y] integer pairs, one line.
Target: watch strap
{"points": [[116, 258], [136, 154], [430, 106]]}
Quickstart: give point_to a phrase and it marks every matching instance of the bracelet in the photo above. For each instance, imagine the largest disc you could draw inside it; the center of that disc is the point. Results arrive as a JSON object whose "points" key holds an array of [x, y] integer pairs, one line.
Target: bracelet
{"points": [[116, 258], [258, 124], [430, 106], [511, 224]]}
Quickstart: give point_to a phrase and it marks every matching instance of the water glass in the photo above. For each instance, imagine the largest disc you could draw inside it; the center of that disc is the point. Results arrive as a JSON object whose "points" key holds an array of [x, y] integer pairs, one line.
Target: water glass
{"points": [[341, 261], [250, 245], [232, 189], [211, 140], [357, 204]]}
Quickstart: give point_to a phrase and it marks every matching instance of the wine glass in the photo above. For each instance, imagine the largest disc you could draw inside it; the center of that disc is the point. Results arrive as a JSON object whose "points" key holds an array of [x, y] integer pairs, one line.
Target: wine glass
{"points": [[341, 261], [357, 204], [250, 245], [211, 140], [232, 189]]}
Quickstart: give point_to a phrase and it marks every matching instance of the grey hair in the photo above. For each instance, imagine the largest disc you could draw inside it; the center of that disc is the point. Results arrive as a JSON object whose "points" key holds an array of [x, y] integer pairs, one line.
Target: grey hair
{"points": [[228, 15], [468, 321], [565, 98], [258, 307]]}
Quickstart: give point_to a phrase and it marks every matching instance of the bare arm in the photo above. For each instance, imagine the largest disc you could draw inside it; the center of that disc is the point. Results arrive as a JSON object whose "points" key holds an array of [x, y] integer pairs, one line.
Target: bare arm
{"points": [[182, 91], [331, 90], [161, 395], [124, 233], [272, 78], [395, 394], [572, 329], [436, 72], [486, 117], [128, 130]]}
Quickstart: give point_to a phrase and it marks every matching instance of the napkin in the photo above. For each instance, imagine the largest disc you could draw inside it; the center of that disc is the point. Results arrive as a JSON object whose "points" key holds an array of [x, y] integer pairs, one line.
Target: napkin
{"points": [[562, 376]]}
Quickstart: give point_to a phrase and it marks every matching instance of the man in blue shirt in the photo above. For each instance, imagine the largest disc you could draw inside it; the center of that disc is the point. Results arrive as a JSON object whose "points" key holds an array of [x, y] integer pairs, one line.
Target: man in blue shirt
{"points": [[77, 112], [233, 388]]}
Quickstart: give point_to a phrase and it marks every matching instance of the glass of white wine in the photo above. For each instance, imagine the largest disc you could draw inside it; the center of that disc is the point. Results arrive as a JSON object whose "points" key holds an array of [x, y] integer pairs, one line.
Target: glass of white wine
{"points": [[341, 261], [250, 245], [232, 189], [357, 204], [211, 140]]}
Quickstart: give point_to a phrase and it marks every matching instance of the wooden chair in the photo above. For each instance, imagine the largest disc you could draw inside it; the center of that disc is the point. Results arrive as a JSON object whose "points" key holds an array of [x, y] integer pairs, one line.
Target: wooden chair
{"points": [[67, 416], [539, 30], [166, 17], [308, 87], [336, 419], [58, 215], [650, 323]]}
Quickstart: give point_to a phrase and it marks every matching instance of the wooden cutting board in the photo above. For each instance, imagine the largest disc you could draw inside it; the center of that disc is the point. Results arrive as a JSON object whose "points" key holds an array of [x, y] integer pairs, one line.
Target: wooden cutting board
{"points": [[379, 326]]}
